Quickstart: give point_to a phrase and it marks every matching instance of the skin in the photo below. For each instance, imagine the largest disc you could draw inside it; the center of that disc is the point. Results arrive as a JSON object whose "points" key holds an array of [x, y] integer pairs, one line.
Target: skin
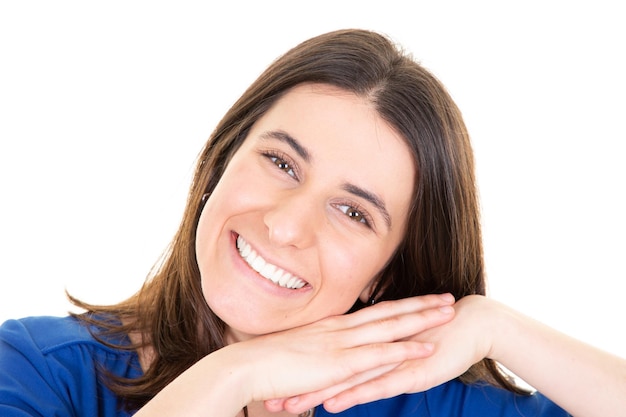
{"points": [[583, 380], [300, 217], [296, 216]]}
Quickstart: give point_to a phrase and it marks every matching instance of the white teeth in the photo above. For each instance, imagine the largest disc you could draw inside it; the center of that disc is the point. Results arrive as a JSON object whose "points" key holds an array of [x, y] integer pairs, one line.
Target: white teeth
{"points": [[268, 271], [246, 249], [284, 279], [275, 274], [258, 264]]}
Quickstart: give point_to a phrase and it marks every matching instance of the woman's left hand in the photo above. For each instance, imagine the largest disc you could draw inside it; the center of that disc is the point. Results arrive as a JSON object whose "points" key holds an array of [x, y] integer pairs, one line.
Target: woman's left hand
{"points": [[583, 380], [458, 345]]}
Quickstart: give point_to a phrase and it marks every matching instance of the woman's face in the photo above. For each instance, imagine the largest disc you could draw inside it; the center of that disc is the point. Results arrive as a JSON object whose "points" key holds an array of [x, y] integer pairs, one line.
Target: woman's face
{"points": [[307, 213]]}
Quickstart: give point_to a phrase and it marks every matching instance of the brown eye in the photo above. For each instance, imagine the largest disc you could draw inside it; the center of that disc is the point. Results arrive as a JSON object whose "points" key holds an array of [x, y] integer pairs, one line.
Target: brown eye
{"points": [[353, 213], [283, 165]]}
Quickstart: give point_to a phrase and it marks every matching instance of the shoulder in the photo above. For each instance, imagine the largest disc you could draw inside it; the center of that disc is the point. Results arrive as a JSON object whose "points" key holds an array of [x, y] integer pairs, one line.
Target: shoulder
{"points": [[45, 333], [54, 365], [455, 398], [63, 342]]}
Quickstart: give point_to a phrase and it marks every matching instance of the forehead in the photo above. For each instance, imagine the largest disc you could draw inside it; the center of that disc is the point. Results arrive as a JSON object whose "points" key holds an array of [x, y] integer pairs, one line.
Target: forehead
{"points": [[322, 114], [346, 139]]}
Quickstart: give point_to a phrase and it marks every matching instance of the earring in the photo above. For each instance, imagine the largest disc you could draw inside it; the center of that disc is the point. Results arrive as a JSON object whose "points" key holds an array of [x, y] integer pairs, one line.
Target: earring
{"points": [[205, 197], [371, 301]]}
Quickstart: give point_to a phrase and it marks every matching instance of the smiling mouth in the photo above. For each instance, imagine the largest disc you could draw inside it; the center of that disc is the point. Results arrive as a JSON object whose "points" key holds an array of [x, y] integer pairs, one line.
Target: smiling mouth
{"points": [[271, 272]]}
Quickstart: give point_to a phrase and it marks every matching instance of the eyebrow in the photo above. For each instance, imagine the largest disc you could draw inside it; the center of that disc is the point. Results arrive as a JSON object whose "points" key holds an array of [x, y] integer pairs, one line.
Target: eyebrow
{"points": [[372, 198], [289, 140], [348, 187]]}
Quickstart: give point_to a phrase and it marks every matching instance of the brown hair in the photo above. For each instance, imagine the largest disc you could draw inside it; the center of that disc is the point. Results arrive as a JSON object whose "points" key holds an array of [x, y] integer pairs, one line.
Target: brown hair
{"points": [[442, 249]]}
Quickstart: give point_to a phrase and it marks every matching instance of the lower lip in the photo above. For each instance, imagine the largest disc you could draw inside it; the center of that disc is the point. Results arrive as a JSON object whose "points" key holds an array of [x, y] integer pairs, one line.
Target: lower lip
{"points": [[259, 280]]}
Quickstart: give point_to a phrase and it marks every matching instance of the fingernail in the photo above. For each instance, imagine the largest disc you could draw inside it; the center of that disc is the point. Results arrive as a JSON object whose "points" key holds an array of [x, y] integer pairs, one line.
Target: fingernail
{"points": [[447, 297], [446, 309]]}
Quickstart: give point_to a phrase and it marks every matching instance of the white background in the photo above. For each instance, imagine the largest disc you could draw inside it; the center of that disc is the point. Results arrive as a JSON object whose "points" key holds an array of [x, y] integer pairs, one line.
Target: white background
{"points": [[105, 105]]}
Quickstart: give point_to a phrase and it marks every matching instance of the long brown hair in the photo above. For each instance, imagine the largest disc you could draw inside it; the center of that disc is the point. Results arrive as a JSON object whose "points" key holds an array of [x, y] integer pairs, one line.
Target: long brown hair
{"points": [[441, 251]]}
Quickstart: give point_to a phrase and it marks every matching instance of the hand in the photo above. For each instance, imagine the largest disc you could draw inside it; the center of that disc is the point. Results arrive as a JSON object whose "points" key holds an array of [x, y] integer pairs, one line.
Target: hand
{"points": [[459, 344], [335, 350]]}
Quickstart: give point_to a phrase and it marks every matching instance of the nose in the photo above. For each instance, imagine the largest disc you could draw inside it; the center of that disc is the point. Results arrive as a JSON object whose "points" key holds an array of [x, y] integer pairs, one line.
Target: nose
{"points": [[292, 221]]}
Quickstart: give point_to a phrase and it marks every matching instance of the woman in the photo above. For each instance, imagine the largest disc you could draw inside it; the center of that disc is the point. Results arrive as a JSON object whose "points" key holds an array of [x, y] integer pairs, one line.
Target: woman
{"points": [[342, 178]]}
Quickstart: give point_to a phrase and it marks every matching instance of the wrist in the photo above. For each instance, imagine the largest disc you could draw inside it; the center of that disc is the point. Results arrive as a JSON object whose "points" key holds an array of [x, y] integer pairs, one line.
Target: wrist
{"points": [[504, 330], [213, 386], [232, 374], [482, 319]]}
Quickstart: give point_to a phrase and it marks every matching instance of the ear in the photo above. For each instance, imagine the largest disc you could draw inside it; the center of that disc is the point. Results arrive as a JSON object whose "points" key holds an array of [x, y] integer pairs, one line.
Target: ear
{"points": [[368, 291]]}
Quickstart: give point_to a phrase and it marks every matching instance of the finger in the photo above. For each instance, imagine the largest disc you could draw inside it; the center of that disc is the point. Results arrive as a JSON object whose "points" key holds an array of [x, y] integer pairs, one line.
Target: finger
{"points": [[399, 307], [357, 360], [276, 405], [396, 327], [326, 367], [364, 358], [300, 403], [402, 379]]}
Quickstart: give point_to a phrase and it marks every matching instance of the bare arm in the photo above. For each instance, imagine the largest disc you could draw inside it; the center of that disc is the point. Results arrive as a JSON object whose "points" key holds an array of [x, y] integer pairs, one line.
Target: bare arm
{"points": [[580, 378], [583, 380], [209, 388]]}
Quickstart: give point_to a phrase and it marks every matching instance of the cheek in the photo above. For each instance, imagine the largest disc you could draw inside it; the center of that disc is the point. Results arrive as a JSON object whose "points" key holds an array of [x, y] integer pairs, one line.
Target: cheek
{"points": [[242, 186], [351, 268], [354, 263], [238, 190]]}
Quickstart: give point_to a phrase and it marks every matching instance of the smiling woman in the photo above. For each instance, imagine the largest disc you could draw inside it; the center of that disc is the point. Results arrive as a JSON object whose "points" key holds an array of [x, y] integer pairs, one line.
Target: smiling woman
{"points": [[329, 259], [304, 210]]}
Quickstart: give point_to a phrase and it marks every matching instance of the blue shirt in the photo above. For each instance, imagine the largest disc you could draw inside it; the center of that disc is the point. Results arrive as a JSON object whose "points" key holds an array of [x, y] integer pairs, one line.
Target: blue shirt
{"points": [[50, 366]]}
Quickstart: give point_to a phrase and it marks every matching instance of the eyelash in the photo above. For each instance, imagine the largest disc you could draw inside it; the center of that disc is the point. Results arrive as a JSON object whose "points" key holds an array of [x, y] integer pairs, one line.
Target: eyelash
{"points": [[278, 159], [285, 164]]}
